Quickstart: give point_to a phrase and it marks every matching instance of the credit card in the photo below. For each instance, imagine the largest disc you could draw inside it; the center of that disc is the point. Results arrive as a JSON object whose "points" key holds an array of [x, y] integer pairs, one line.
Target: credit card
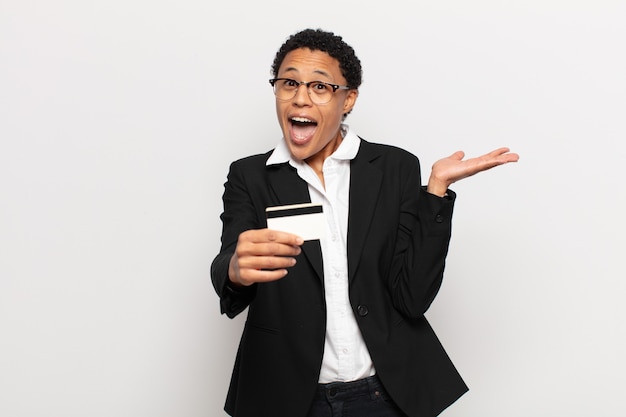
{"points": [[305, 220]]}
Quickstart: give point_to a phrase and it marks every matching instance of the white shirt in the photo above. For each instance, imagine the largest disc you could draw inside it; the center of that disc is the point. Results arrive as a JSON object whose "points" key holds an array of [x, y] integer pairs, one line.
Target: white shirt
{"points": [[346, 357]]}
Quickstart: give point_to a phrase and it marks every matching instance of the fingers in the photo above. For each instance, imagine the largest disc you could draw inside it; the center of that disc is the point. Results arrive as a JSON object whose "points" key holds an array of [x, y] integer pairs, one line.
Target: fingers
{"points": [[503, 155], [499, 151], [498, 157], [267, 243], [266, 262], [449, 170], [270, 236], [263, 255], [458, 155], [249, 276]]}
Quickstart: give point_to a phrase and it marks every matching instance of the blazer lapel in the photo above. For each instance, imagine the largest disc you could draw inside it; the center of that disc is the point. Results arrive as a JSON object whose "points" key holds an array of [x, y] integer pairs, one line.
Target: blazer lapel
{"points": [[289, 188], [286, 185], [365, 183]]}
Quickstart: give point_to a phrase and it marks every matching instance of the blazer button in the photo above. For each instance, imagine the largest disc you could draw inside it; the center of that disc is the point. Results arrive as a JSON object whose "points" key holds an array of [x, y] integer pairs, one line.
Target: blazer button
{"points": [[362, 310], [439, 218]]}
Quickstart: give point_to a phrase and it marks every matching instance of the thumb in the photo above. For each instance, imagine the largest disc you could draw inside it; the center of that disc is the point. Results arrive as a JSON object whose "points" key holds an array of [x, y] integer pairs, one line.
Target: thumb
{"points": [[458, 155]]}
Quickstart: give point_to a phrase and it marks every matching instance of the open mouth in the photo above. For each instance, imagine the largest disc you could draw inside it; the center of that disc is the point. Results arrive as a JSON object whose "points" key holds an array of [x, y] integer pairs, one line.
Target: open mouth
{"points": [[302, 121], [302, 128]]}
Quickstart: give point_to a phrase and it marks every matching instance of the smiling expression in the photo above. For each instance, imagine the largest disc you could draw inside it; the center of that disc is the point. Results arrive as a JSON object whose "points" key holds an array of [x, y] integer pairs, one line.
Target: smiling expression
{"points": [[312, 131]]}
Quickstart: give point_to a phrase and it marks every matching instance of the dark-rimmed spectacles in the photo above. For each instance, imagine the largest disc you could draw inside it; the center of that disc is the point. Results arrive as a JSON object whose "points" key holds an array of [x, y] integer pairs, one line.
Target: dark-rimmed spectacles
{"points": [[320, 92]]}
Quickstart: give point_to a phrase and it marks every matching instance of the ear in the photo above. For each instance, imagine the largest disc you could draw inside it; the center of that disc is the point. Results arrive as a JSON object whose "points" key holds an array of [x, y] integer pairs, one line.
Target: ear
{"points": [[348, 103]]}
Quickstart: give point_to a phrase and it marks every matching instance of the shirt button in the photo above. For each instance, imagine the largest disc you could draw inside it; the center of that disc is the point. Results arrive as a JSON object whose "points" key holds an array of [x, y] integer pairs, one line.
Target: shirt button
{"points": [[362, 310]]}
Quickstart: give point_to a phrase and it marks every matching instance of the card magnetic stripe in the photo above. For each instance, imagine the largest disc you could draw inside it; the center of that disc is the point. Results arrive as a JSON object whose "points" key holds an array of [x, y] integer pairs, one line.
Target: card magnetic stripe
{"points": [[293, 212]]}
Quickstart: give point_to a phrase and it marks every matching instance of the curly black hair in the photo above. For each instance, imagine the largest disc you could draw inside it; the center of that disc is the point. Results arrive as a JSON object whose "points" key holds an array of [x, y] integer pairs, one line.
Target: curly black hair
{"points": [[333, 45]]}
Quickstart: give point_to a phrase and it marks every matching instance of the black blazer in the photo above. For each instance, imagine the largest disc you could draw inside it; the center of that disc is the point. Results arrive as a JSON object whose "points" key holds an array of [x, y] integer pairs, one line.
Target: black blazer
{"points": [[398, 236]]}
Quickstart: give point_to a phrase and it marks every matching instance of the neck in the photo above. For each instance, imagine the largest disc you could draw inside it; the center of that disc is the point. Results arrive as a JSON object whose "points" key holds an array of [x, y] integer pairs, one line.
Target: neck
{"points": [[317, 161]]}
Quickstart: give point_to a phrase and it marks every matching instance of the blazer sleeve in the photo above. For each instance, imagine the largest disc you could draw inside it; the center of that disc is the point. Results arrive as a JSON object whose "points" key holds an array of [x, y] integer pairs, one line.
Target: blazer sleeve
{"points": [[423, 237], [239, 215]]}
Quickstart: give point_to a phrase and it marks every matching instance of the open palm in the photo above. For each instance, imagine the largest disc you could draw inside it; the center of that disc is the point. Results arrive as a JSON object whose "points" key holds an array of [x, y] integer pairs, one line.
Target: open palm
{"points": [[453, 168]]}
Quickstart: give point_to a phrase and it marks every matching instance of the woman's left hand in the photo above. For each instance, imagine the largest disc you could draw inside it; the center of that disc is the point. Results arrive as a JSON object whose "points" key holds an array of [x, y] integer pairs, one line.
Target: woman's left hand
{"points": [[453, 168]]}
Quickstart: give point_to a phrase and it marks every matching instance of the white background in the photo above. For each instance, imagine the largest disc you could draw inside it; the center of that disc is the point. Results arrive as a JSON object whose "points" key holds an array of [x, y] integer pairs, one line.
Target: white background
{"points": [[119, 118]]}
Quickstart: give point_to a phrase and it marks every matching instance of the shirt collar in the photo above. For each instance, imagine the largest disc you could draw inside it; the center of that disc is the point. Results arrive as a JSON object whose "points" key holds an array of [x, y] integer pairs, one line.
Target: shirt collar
{"points": [[347, 150]]}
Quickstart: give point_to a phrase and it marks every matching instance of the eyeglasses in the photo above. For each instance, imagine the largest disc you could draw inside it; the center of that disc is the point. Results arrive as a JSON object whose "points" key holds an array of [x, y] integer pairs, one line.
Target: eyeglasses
{"points": [[320, 92]]}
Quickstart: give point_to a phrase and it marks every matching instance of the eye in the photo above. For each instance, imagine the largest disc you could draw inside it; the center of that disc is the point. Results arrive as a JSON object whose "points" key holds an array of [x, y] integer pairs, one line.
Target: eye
{"points": [[320, 87], [290, 84]]}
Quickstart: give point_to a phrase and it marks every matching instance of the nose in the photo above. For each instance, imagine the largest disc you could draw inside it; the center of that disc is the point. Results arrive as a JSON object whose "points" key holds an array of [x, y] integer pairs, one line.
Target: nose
{"points": [[302, 97]]}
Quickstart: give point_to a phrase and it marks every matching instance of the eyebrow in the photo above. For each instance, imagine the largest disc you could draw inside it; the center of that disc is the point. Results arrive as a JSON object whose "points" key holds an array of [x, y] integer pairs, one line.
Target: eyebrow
{"points": [[320, 72]]}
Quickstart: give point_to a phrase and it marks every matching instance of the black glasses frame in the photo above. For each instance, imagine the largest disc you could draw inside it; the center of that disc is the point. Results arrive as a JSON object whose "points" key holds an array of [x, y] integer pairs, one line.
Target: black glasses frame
{"points": [[335, 87]]}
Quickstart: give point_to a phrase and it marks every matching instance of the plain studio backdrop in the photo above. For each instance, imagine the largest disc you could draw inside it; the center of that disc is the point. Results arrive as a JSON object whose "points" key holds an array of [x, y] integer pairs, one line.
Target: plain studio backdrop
{"points": [[118, 120]]}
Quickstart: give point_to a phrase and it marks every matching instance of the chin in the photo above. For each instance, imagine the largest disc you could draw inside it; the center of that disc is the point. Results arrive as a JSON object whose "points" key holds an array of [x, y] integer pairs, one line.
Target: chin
{"points": [[300, 156]]}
